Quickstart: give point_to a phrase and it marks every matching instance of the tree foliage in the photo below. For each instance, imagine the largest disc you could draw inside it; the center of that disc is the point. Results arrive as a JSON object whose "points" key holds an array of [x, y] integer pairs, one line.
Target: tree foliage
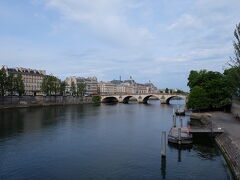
{"points": [[233, 73], [208, 89], [62, 87], [19, 85], [81, 89], [3, 82], [73, 88], [96, 99], [51, 85], [11, 87], [198, 98], [166, 90], [11, 83]]}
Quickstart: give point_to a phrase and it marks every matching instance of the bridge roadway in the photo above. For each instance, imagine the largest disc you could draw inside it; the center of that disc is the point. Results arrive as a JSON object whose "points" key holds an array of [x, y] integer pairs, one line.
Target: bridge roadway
{"points": [[142, 98]]}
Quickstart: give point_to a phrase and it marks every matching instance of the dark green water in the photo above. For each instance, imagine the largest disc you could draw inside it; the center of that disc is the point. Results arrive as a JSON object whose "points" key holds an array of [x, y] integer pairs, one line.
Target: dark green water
{"points": [[119, 141]]}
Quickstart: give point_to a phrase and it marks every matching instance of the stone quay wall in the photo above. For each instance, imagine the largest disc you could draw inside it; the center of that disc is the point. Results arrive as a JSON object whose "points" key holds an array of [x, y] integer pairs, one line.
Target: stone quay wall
{"points": [[231, 152], [28, 101], [229, 147]]}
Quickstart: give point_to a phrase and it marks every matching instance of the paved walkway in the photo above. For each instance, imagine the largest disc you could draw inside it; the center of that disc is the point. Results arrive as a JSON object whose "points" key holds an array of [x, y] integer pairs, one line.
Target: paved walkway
{"points": [[229, 123]]}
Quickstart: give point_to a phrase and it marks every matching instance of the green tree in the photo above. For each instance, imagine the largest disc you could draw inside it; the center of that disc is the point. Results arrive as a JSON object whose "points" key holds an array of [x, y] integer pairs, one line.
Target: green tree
{"points": [[198, 98], [19, 85], [233, 78], [73, 88], [3, 81], [50, 85], [45, 86], [11, 84], [62, 87], [81, 89], [96, 99], [56, 83], [233, 73], [166, 90], [214, 84]]}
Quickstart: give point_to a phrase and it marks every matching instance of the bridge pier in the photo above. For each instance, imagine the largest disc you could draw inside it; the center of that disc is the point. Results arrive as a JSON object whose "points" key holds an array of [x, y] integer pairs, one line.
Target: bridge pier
{"points": [[163, 101]]}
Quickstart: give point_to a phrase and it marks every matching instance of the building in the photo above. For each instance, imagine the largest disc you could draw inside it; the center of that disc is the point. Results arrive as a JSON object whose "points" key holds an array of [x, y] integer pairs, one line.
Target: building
{"points": [[32, 79], [107, 88], [124, 89], [69, 81], [91, 84], [131, 87], [151, 88]]}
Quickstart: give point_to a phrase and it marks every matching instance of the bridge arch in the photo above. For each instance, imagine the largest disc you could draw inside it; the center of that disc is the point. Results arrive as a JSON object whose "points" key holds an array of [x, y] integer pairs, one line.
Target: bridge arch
{"points": [[146, 98], [110, 99], [126, 99], [174, 96]]}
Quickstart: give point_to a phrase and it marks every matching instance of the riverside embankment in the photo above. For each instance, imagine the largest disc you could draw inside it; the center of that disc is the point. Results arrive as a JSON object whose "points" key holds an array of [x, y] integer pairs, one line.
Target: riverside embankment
{"points": [[29, 101], [229, 141]]}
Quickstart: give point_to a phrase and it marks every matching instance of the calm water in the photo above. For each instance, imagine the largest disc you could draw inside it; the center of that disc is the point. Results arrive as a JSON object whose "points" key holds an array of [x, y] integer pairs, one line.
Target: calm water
{"points": [[119, 141]]}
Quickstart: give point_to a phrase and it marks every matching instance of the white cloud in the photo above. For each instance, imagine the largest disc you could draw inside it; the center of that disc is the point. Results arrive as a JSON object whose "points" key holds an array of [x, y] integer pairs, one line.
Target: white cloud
{"points": [[185, 21], [105, 18]]}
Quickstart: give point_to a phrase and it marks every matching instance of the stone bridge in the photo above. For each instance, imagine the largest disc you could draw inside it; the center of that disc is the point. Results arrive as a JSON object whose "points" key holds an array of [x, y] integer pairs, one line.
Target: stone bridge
{"points": [[142, 98]]}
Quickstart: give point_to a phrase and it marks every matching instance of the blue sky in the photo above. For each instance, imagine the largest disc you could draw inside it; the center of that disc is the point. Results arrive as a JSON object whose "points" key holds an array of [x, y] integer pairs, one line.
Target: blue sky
{"points": [[157, 40]]}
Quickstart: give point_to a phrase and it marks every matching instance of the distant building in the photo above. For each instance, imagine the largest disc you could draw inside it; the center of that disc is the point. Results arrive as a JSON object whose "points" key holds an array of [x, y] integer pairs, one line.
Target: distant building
{"points": [[32, 79], [68, 82], [91, 83], [107, 88], [131, 87]]}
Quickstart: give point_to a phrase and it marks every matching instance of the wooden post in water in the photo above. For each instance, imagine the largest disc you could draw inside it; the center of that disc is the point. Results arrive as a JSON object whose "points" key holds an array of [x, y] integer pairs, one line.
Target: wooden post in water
{"points": [[174, 121], [163, 144], [179, 136]]}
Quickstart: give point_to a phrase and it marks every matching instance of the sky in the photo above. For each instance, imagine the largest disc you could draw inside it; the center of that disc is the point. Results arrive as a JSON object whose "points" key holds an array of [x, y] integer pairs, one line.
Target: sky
{"points": [[156, 40]]}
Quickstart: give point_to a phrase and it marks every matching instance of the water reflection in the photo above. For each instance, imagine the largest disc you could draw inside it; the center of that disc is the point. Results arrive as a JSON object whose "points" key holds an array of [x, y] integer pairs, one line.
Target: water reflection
{"points": [[163, 167], [120, 141]]}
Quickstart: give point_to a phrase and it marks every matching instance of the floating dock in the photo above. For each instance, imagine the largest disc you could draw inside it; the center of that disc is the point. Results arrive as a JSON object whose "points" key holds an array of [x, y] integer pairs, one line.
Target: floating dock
{"points": [[180, 135]]}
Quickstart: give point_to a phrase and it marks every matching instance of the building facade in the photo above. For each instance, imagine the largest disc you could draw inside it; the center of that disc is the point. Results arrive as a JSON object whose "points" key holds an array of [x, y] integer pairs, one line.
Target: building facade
{"points": [[91, 84], [127, 87], [107, 88], [32, 79]]}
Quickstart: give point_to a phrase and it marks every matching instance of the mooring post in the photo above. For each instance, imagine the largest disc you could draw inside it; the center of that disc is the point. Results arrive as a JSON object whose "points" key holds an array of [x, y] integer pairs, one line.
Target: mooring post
{"points": [[163, 167], [179, 136], [179, 154], [163, 144], [174, 121]]}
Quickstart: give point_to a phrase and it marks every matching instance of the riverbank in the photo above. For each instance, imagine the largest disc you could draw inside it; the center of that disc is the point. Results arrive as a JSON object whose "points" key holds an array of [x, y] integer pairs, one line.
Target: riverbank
{"points": [[229, 141], [32, 101]]}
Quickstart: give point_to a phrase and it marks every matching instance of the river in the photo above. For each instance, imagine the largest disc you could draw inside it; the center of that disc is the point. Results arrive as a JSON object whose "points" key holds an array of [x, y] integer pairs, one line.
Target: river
{"points": [[120, 141]]}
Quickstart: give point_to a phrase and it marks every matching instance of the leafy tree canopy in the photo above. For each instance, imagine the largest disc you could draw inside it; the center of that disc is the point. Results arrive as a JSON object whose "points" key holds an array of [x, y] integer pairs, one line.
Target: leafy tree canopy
{"points": [[208, 89], [96, 99]]}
